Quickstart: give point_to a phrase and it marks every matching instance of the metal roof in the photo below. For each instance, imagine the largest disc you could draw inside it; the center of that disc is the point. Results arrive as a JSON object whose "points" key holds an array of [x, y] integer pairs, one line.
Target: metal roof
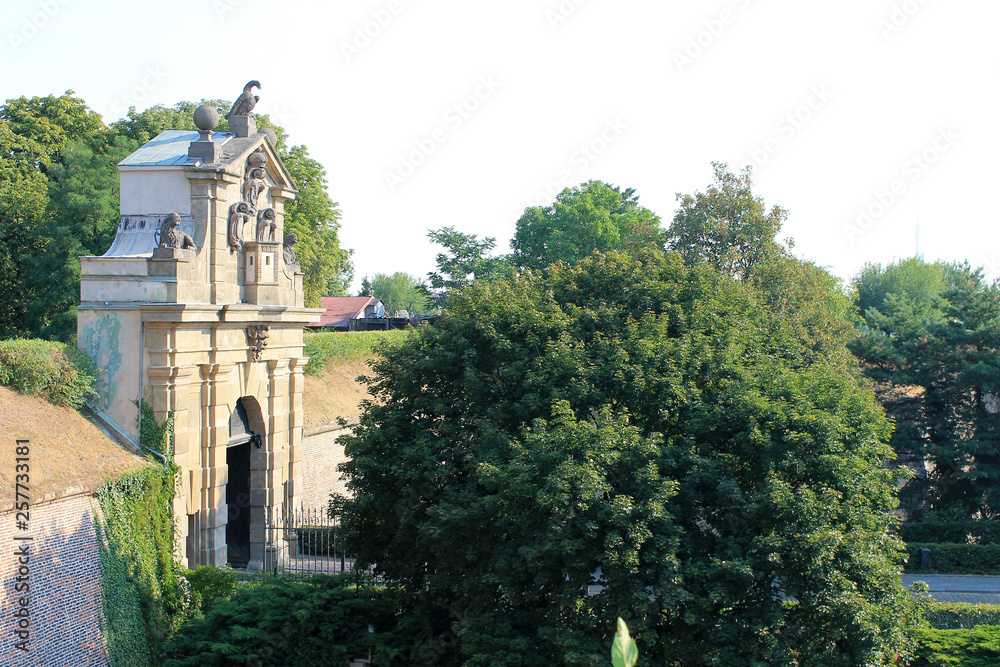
{"points": [[169, 148]]}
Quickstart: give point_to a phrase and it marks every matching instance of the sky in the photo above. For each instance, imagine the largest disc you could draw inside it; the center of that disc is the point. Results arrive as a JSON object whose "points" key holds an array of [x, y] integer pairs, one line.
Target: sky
{"points": [[862, 118]]}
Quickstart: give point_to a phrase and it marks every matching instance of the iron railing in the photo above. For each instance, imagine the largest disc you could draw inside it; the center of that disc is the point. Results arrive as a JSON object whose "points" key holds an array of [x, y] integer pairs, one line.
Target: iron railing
{"points": [[305, 541]]}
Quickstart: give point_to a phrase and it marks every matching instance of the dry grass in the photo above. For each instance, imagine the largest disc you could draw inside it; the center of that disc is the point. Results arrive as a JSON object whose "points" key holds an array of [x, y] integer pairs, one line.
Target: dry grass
{"points": [[334, 394], [68, 453]]}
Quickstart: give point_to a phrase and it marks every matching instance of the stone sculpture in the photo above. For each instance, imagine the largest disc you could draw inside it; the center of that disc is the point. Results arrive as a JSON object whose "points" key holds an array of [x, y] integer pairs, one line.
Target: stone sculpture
{"points": [[239, 213], [254, 185], [287, 251], [266, 225], [245, 103], [172, 236]]}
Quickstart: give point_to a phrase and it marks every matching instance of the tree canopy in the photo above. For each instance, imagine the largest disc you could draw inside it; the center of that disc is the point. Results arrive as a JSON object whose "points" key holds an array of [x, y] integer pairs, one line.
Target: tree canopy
{"points": [[647, 428], [727, 226], [595, 216]]}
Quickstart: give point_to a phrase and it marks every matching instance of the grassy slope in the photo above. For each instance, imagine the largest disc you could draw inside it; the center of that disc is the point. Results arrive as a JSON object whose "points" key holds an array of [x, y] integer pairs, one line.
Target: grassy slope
{"points": [[336, 360], [67, 451]]}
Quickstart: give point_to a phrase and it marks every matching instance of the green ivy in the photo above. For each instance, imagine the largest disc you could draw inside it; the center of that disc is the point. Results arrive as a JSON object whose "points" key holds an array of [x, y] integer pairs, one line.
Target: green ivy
{"points": [[146, 598]]}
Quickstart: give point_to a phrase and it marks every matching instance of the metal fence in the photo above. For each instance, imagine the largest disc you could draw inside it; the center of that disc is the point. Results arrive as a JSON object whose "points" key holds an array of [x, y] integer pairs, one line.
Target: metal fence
{"points": [[305, 541]]}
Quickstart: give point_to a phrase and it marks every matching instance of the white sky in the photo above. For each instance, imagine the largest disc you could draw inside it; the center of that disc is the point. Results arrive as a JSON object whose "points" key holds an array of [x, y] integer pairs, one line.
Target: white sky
{"points": [[888, 80]]}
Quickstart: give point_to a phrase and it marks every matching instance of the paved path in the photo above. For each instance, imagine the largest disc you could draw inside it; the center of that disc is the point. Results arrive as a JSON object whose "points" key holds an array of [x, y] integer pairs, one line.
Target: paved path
{"points": [[959, 587]]}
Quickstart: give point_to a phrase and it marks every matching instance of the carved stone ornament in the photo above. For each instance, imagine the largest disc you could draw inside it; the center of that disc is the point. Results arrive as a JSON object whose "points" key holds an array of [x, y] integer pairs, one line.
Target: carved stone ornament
{"points": [[172, 236], [243, 211], [266, 225], [258, 340], [245, 103], [288, 251]]}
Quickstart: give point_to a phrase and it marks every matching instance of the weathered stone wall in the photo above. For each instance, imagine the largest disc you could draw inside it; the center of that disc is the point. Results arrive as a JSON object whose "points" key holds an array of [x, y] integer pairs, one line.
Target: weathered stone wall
{"points": [[64, 579], [321, 454]]}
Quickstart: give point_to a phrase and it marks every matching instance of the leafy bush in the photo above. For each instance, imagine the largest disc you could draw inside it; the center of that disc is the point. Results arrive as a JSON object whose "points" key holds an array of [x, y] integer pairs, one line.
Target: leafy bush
{"points": [[57, 372], [978, 647], [956, 532], [956, 558], [958, 615], [323, 620], [210, 584], [322, 348]]}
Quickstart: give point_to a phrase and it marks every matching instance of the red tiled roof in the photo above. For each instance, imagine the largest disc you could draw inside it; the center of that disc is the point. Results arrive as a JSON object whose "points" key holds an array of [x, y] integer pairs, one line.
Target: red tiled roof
{"points": [[340, 310]]}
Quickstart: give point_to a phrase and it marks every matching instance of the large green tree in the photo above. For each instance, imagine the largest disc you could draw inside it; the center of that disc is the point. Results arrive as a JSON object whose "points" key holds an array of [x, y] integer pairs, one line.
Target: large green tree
{"points": [[398, 291], [649, 428], [931, 342], [594, 216]]}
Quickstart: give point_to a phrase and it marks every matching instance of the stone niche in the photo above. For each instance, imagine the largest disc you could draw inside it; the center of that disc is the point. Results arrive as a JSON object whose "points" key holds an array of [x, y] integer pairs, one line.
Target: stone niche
{"points": [[196, 310]]}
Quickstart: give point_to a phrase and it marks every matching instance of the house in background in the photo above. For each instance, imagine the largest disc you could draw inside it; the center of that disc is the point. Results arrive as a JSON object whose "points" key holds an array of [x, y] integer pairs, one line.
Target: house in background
{"points": [[349, 313]]}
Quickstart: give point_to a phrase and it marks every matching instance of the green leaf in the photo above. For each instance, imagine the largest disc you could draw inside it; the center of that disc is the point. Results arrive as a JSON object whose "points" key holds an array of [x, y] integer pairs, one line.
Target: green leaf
{"points": [[624, 652]]}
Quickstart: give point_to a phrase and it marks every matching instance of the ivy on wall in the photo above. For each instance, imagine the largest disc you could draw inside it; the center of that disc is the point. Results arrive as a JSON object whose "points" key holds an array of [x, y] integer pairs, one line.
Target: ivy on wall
{"points": [[145, 596]]}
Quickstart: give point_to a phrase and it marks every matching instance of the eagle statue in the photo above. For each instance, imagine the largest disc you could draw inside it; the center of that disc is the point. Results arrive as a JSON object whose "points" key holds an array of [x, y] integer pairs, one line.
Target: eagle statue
{"points": [[245, 103]]}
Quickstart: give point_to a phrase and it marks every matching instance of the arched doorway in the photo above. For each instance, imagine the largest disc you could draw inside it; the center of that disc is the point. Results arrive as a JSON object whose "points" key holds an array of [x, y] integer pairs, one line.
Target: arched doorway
{"points": [[245, 433]]}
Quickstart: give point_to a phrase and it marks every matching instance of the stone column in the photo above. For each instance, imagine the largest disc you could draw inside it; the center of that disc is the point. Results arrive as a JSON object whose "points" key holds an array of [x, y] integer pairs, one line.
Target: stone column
{"points": [[217, 397], [296, 427]]}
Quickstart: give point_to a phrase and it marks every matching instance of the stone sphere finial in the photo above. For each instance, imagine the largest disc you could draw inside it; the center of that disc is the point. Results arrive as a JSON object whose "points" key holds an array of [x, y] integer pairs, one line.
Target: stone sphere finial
{"points": [[271, 135], [206, 117]]}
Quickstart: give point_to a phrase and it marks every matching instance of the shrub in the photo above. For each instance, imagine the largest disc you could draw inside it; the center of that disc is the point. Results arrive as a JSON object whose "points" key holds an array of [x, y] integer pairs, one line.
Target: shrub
{"points": [[978, 647], [323, 620], [57, 372], [210, 584], [956, 558], [322, 348], [958, 615]]}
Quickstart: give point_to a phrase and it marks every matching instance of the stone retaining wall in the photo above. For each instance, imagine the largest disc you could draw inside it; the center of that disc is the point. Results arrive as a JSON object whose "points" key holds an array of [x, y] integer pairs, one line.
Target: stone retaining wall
{"points": [[320, 457]]}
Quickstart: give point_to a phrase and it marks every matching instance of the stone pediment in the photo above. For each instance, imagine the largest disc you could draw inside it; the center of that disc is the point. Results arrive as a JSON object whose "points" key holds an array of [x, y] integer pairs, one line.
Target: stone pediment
{"points": [[239, 149]]}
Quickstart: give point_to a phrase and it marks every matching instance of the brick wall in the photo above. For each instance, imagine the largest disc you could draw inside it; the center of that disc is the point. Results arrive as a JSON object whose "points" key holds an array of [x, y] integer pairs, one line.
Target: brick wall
{"points": [[65, 586], [320, 457]]}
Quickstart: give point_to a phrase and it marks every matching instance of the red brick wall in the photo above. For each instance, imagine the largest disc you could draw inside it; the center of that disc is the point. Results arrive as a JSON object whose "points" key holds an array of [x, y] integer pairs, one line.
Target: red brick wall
{"points": [[320, 457], [65, 586]]}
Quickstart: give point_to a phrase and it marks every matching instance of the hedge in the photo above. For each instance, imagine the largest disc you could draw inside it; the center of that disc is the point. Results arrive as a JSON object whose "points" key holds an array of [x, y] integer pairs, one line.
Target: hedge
{"points": [[955, 558], [322, 620], [958, 615], [56, 372], [954, 532]]}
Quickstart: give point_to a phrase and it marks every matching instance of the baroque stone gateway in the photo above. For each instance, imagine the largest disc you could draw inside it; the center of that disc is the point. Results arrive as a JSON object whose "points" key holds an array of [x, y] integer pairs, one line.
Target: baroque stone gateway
{"points": [[197, 309]]}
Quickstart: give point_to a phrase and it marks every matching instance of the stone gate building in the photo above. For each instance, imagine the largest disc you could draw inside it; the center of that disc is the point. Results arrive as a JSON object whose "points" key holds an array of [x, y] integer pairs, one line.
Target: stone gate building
{"points": [[197, 309]]}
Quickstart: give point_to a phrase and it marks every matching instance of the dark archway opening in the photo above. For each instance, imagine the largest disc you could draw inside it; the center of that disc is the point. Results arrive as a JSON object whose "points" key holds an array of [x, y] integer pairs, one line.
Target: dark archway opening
{"points": [[241, 438]]}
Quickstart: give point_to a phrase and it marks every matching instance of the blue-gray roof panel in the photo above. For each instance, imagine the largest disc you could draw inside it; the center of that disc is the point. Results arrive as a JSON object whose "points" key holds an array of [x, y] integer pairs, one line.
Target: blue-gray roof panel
{"points": [[169, 148]]}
